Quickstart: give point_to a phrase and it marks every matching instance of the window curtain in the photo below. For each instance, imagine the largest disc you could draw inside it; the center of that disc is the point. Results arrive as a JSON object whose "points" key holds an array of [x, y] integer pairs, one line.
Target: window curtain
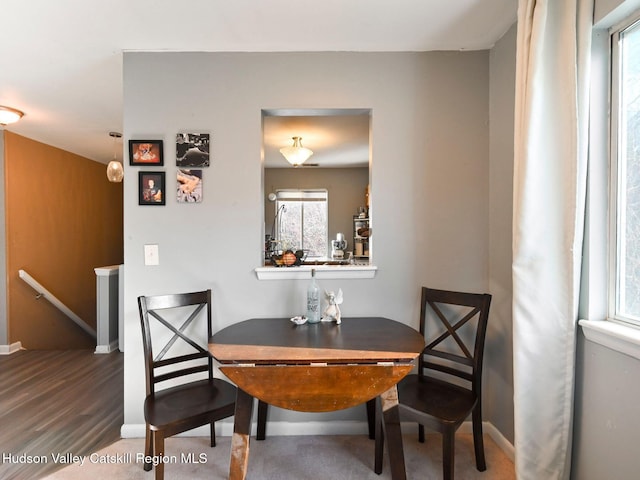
{"points": [[550, 164]]}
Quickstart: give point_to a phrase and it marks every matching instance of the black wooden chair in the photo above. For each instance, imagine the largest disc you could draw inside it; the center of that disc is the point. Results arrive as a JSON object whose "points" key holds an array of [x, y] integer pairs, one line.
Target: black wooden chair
{"points": [[189, 402], [448, 386]]}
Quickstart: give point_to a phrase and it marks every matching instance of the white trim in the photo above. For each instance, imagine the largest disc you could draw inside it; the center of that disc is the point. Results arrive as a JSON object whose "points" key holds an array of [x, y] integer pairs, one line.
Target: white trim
{"points": [[107, 271], [616, 336], [282, 429], [614, 173], [112, 347], [496, 435], [467, 427], [322, 272], [9, 349]]}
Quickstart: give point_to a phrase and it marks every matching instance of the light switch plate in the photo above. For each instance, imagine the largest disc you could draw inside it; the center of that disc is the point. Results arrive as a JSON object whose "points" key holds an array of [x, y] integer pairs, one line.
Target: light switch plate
{"points": [[151, 255]]}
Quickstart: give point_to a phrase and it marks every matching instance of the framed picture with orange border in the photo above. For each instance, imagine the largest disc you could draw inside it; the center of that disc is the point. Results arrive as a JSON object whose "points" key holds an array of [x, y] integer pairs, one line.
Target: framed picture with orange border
{"points": [[146, 152]]}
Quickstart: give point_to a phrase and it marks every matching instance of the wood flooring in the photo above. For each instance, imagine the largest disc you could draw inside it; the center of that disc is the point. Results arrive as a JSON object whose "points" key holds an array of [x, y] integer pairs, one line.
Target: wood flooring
{"points": [[57, 402]]}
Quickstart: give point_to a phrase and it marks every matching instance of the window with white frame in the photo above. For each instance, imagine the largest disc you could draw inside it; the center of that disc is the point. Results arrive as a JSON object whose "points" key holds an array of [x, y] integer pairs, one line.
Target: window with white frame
{"points": [[303, 221], [624, 301]]}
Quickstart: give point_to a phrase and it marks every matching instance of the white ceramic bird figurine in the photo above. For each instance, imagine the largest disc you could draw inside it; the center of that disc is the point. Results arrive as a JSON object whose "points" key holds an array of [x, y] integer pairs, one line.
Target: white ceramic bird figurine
{"points": [[332, 312]]}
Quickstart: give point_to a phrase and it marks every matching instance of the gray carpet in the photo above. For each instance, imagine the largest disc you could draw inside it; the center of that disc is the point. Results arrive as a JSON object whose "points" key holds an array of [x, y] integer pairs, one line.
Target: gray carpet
{"points": [[290, 458]]}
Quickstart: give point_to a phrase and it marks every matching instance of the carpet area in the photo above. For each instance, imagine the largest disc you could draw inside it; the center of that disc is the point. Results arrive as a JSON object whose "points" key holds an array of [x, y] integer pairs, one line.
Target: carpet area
{"points": [[288, 458]]}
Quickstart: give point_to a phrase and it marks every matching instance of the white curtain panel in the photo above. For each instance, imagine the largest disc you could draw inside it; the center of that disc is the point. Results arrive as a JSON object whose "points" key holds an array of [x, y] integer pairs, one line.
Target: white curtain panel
{"points": [[550, 144]]}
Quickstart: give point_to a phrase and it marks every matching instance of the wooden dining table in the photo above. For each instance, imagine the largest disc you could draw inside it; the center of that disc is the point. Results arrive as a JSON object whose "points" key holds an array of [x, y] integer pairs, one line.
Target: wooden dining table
{"points": [[319, 367]]}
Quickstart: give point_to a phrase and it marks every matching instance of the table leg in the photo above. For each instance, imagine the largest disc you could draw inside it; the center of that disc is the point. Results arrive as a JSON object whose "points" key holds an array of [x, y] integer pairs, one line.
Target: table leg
{"points": [[241, 434], [391, 415], [371, 418], [261, 432]]}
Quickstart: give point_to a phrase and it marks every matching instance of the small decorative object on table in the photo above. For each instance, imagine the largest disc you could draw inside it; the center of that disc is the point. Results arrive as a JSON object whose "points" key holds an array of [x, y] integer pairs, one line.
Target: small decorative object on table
{"points": [[299, 319], [313, 299], [332, 312]]}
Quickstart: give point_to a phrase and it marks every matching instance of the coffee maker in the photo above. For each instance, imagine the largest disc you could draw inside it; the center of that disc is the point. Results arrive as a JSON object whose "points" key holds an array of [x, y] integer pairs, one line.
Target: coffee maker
{"points": [[338, 246]]}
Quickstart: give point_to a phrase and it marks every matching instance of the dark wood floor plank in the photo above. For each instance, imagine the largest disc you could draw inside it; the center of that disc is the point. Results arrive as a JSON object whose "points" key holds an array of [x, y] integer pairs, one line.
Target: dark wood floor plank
{"points": [[57, 402]]}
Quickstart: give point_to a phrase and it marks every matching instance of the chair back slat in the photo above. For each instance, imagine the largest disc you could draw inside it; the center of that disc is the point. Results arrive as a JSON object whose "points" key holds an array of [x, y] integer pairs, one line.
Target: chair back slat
{"points": [[169, 311], [451, 371], [450, 356], [175, 300], [459, 351], [183, 372], [180, 359]]}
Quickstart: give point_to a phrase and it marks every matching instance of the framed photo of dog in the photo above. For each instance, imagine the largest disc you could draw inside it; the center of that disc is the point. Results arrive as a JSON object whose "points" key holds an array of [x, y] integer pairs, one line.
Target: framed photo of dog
{"points": [[146, 152]]}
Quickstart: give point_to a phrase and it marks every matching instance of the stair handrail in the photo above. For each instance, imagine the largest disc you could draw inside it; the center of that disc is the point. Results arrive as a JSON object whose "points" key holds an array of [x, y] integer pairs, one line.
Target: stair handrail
{"points": [[43, 292]]}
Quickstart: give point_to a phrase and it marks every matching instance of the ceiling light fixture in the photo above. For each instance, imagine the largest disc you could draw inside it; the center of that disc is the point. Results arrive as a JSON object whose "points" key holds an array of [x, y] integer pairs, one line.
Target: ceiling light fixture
{"points": [[296, 154], [9, 115], [115, 171]]}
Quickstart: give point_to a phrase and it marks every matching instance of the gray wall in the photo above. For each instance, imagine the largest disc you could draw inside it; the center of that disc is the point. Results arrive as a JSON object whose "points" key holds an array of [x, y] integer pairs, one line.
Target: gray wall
{"points": [[429, 182], [607, 414], [498, 398]]}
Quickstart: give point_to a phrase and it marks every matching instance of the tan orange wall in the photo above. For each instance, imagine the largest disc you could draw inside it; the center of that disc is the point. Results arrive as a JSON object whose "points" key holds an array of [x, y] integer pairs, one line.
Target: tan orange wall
{"points": [[63, 219]]}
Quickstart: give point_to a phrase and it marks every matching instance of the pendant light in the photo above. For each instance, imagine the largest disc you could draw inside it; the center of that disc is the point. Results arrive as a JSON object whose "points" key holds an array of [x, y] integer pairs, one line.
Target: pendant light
{"points": [[296, 154], [115, 171]]}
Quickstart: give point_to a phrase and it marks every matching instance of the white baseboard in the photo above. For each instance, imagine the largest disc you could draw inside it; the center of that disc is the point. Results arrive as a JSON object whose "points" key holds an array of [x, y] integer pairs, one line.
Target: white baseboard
{"points": [[9, 349], [112, 347], [282, 429], [505, 445]]}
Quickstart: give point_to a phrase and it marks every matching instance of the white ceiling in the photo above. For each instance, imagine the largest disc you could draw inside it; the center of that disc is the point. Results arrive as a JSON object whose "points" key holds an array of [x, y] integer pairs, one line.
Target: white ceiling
{"points": [[338, 138], [61, 60]]}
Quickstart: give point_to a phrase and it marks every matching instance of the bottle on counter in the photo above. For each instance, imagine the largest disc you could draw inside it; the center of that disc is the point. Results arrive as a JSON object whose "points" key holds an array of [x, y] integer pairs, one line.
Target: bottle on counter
{"points": [[313, 299]]}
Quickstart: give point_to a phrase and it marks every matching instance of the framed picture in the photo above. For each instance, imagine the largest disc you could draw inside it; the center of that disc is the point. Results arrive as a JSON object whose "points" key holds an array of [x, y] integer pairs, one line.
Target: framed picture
{"points": [[189, 186], [151, 188], [145, 152], [192, 150]]}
